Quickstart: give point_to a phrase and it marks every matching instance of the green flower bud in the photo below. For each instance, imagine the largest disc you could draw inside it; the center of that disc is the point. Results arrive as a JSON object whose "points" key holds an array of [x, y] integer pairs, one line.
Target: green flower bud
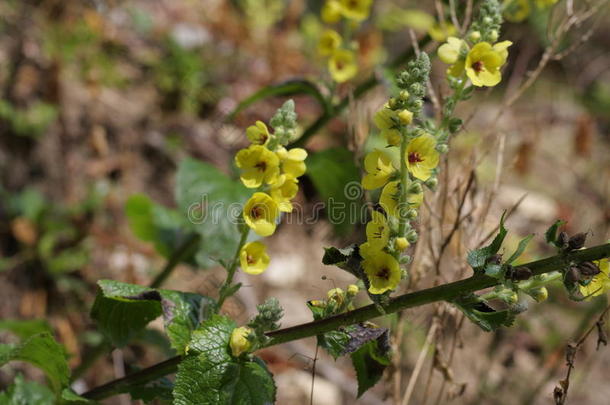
{"points": [[475, 36], [412, 236], [352, 290], [539, 294], [442, 148], [431, 183]]}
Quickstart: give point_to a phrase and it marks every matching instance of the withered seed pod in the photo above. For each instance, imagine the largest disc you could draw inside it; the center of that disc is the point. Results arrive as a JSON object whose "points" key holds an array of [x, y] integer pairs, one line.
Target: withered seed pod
{"points": [[562, 239], [573, 275], [577, 241], [495, 259], [521, 273], [588, 269]]}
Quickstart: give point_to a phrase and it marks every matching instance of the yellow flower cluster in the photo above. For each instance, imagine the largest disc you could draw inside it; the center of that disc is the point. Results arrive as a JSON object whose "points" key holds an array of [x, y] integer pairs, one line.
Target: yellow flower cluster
{"points": [[384, 244], [275, 174], [481, 63], [341, 59]]}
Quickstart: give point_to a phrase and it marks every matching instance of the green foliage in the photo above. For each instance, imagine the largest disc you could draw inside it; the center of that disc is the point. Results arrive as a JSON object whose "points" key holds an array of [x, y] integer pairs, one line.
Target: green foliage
{"points": [[45, 353], [32, 121], [520, 248], [369, 361], [483, 315], [25, 328], [211, 375], [340, 191], [23, 392], [212, 203], [123, 310], [158, 389], [288, 88], [551, 234], [477, 258]]}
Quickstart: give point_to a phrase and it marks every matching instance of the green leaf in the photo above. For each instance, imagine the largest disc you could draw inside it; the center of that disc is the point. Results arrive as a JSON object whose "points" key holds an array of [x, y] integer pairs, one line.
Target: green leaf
{"points": [[211, 375], [72, 398], [370, 361], [334, 342], [123, 310], [551, 234], [483, 315], [139, 211], [287, 88], [44, 352], [520, 248], [478, 257], [25, 328], [337, 180], [212, 204], [23, 392]]}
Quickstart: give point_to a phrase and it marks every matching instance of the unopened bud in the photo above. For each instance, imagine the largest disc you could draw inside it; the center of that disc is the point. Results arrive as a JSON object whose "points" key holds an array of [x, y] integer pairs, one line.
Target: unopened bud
{"points": [[405, 116], [442, 148], [493, 35], [521, 274], [415, 188], [539, 294], [317, 303], [474, 36], [411, 214], [431, 183], [336, 294], [401, 244], [392, 103], [588, 269], [412, 236], [352, 290], [403, 95], [239, 340]]}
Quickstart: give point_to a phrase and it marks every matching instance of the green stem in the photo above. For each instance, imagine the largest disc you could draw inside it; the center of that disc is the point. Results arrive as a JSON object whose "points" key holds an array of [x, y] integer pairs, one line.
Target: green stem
{"points": [[404, 184], [446, 292], [225, 290], [183, 251]]}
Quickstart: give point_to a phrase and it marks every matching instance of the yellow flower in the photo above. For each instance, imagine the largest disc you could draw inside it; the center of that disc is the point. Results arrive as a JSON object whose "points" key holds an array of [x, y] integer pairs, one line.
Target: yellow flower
{"points": [[330, 40], [258, 134], [484, 61], [390, 199], [385, 120], [440, 32], [331, 11], [449, 52], [293, 161], [516, 10], [357, 10], [382, 271], [239, 342], [378, 231], [285, 192], [600, 283], [422, 157], [253, 258], [379, 168], [260, 213], [259, 165], [342, 65]]}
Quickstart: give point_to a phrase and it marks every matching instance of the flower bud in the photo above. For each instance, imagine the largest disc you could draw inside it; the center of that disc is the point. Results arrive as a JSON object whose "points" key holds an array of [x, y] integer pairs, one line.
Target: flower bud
{"points": [[239, 342], [442, 148], [405, 116], [493, 35], [392, 103], [412, 236], [352, 290], [403, 95], [336, 294], [406, 259], [431, 183], [317, 303], [411, 214], [539, 294], [415, 188], [474, 36], [401, 244]]}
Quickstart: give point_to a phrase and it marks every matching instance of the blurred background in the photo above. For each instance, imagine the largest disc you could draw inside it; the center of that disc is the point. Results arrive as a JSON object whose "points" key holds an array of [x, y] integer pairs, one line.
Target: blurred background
{"points": [[100, 100]]}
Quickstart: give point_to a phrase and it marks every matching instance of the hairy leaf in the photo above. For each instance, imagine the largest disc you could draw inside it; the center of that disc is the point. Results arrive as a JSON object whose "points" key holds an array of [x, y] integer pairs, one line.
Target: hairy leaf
{"points": [[25, 328], [23, 392], [520, 248], [551, 234], [483, 315], [370, 361], [477, 258]]}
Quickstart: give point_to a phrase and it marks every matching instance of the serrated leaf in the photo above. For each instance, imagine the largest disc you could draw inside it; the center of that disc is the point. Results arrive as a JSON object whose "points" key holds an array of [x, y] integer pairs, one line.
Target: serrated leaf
{"points": [[520, 248], [484, 316], [370, 361], [69, 397], [23, 392], [361, 334], [288, 88], [210, 375], [123, 310], [212, 203], [340, 191], [25, 328], [551, 234], [478, 257], [44, 352], [334, 342]]}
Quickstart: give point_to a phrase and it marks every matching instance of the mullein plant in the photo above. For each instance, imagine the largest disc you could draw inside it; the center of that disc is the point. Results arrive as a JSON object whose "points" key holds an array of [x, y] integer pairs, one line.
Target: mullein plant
{"points": [[340, 50]]}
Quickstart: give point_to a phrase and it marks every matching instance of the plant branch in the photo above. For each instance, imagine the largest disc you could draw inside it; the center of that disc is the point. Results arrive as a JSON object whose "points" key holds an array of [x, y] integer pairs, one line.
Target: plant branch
{"points": [[445, 292]]}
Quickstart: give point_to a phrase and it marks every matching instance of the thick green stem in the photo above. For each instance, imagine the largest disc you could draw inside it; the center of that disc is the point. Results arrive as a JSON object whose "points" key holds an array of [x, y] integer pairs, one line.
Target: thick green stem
{"points": [[225, 290], [404, 185], [446, 292]]}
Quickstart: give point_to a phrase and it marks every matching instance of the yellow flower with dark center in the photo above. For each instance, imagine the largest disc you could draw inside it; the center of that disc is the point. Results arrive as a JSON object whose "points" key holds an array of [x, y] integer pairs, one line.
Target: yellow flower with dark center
{"points": [[386, 120], [484, 61], [331, 11], [253, 258], [258, 134], [378, 231], [342, 65], [390, 199], [600, 283], [421, 156], [260, 214], [378, 166], [357, 10], [258, 165], [440, 32], [239, 342], [285, 192], [330, 40], [382, 270], [293, 161]]}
